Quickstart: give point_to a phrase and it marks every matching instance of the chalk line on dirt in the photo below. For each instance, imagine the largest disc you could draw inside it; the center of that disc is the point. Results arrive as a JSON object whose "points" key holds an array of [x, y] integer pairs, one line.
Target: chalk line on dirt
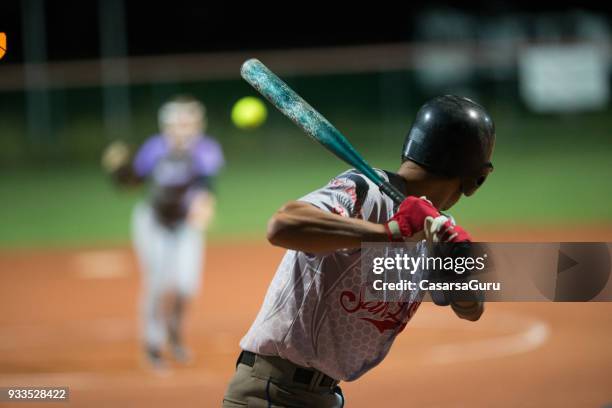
{"points": [[517, 334], [529, 339], [101, 264]]}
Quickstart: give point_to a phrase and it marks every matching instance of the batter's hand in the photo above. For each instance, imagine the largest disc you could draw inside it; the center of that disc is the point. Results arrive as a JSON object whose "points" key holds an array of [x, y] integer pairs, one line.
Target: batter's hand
{"points": [[410, 218], [442, 229]]}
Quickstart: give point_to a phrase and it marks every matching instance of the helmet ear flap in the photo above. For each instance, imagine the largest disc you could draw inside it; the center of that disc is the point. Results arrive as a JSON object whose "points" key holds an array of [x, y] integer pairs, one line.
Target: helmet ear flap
{"points": [[470, 184]]}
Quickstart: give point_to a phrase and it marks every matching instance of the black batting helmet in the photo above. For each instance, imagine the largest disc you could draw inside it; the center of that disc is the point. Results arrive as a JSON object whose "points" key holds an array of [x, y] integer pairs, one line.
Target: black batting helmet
{"points": [[453, 136]]}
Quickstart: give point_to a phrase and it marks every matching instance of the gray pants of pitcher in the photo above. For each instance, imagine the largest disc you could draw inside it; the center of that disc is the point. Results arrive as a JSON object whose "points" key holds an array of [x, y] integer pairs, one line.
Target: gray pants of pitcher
{"points": [[171, 265]]}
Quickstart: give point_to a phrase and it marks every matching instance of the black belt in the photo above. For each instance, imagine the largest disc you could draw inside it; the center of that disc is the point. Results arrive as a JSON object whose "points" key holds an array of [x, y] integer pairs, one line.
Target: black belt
{"points": [[301, 375]]}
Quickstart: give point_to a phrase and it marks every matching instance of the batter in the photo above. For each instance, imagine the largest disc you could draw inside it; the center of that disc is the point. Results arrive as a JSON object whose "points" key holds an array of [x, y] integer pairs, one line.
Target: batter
{"points": [[315, 328]]}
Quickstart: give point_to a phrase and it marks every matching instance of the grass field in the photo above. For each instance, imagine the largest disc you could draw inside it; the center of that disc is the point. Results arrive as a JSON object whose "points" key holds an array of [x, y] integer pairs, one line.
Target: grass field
{"points": [[550, 169], [61, 206]]}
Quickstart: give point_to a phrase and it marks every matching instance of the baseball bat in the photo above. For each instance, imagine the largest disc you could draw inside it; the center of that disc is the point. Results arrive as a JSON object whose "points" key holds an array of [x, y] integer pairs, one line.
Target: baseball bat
{"points": [[312, 122]]}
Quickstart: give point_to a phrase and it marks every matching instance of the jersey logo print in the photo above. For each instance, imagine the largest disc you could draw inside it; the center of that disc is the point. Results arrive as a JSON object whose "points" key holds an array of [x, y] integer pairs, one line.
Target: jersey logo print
{"points": [[359, 192], [383, 315], [356, 189]]}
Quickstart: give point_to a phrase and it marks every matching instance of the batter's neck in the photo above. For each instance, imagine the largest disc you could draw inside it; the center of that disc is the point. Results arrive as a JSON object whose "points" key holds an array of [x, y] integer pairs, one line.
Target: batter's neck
{"points": [[420, 183]]}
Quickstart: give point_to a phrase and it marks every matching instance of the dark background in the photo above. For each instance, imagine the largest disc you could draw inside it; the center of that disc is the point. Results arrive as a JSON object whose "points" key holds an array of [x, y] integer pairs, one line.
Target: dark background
{"points": [[192, 26]]}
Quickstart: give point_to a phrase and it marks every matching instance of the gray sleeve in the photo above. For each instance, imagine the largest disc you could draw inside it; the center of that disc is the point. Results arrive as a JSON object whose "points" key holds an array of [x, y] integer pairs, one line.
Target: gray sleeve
{"points": [[344, 195]]}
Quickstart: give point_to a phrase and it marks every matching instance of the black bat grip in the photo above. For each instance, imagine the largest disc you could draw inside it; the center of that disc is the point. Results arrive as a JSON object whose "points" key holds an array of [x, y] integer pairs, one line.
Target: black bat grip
{"points": [[392, 192]]}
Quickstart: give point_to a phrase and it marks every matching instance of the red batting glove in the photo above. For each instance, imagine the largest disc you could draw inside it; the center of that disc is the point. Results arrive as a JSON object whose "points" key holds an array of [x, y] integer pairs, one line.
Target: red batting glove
{"points": [[459, 235], [410, 218], [453, 233]]}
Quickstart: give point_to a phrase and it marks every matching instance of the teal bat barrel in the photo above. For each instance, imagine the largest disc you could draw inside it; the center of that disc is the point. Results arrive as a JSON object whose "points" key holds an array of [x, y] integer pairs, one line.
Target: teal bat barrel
{"points": [[312, 122]]}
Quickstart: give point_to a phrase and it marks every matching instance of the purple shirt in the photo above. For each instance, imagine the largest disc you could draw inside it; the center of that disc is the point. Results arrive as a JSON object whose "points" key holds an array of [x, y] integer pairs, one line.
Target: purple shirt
{"points": [[206, 156], [175, 176]]}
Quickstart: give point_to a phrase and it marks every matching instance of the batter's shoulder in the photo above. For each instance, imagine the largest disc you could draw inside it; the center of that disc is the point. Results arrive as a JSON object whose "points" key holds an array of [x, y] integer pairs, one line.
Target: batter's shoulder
{"points": [[363, 184], [368, 198]]}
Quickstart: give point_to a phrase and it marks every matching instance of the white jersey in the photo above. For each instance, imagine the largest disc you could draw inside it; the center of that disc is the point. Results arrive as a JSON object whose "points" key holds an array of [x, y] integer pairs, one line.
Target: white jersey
{"points": [[315, 313]]}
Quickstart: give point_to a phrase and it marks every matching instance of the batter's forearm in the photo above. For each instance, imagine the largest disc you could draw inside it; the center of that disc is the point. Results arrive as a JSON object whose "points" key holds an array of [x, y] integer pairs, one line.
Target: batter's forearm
{"points": [[303, 227]]}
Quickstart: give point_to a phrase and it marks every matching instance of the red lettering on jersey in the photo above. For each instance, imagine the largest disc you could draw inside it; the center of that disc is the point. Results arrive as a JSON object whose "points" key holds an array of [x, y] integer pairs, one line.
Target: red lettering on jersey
{"points": [[383, 315]]}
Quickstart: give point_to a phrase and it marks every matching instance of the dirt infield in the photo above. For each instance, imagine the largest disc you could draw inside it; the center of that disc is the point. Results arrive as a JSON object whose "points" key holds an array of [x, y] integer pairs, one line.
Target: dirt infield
{"points": [[69, 318]]}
